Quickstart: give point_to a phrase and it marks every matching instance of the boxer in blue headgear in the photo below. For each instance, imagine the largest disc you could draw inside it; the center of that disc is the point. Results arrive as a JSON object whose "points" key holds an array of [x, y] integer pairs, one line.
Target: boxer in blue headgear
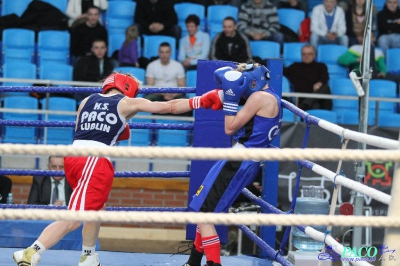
{"points": [[253, 126]]}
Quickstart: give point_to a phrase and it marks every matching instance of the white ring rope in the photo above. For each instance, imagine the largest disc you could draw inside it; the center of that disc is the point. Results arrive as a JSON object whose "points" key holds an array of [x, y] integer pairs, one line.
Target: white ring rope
{"points": [[194, 218], [285, 154], [360, 137]]}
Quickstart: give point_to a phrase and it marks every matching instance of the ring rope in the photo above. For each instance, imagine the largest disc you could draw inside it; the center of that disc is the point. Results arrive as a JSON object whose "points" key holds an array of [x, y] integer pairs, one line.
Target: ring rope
{"points": [[118, 174], [345, 133], [53, 89], [194, 218], [286, 154], [40, 123]]}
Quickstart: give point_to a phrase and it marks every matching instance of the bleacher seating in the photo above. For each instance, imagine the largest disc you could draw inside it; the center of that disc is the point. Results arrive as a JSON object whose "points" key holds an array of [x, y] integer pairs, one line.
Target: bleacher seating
{"points": [[292, 52], [119, 16], [151, 44], [60, 135], [327, 115], [291, 18], [344, 87], [18, 45], [14, 7], [19, 71], [53, 46], [392, 60], [140, 137], [56, 71], [329, 53], [265, 49], [216, 14], [18, 134], [139, 73]]}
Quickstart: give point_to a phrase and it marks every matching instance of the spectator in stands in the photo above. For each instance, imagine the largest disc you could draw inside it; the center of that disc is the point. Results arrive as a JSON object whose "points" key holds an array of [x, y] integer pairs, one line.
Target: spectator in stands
{"points": [[5, 188], [155, 17], [166, 72], [128, 53], [309, 76], [93, 67], [328, 25], [230, 44], [83, 35], [355, 21], [258, 20], [77, 10], [352, 58], [194, 46], [51, 190], [389, 26]]}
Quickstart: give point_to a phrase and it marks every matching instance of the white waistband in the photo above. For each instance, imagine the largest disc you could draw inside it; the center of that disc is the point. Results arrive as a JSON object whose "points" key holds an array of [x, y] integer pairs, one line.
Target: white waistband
{"points": [[90, 143], [238, 146]]}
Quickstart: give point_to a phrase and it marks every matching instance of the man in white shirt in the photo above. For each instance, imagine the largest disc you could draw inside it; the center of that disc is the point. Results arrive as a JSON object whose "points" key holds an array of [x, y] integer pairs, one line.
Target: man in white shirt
{"points": [[165, 72], [50, 190], [328, 24]]}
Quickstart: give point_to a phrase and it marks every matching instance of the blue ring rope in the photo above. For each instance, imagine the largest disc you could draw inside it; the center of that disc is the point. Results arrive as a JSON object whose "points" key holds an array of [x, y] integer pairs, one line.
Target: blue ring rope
{"points": [[90, 89], [117, 174], [39, 123]]}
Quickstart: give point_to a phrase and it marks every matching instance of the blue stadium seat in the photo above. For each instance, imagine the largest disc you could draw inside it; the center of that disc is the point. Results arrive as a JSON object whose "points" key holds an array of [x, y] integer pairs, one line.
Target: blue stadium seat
{"points": [[139, 137], [291, 18], [54, 71], [289, 116], [292, 52], [191, 80], [344, 87], [337, 71], [53, 46], [115, 42], [389, 120], [327, 115], [265, 49], [152, 43], [392, 60], [119, 16], [18, 45], [329, 53], [183, 10], [24, 135], [350, 117], [216, 14], [139, 73], [312, 4], [60, 4], [382, 89], [379, 4], [285, 84], [117, 25], [19, 71], [60, 135], [171, 137], [14, 6]]}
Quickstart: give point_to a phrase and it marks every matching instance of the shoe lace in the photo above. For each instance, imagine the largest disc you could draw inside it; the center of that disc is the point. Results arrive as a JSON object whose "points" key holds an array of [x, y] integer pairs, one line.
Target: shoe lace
{"points": [[189, 246]]}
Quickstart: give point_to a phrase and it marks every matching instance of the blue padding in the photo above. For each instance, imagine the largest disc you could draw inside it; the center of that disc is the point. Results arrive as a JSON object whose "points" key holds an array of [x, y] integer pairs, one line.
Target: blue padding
{"points": [[22, 234], [208, 132]]}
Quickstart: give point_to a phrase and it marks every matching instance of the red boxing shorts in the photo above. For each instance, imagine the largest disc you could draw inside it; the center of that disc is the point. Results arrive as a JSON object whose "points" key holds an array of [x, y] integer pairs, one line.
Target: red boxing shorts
{"points": [[91, 180]]}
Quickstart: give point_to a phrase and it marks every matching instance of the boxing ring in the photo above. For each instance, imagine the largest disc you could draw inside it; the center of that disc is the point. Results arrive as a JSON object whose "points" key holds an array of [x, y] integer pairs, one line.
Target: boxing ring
{"points": [[303, 157]]}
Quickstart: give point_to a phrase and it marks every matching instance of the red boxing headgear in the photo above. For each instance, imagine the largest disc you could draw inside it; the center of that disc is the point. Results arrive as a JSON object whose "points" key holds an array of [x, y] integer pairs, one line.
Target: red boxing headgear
{"points": [[124, 83]]}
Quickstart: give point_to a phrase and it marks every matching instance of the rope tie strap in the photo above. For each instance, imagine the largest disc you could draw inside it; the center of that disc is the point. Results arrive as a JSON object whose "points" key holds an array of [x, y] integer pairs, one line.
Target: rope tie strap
{"points": [[327, 232]]}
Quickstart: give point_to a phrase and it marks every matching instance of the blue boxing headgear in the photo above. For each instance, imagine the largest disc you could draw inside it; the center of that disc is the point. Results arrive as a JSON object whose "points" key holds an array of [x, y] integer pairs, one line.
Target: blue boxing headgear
{"points": [[258, 78]]}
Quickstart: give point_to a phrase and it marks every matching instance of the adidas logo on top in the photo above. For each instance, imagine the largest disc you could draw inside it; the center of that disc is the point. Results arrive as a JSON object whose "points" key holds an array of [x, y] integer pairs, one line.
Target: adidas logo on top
{"points": [[230, 92]]}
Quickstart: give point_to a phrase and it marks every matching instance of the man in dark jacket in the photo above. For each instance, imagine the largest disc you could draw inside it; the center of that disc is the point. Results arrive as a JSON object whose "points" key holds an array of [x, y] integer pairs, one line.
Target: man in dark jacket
{"points": [[155, 17], [51, 190], [389, 26], [230, 45], [309, 76], [83, 35], [94, 67]]}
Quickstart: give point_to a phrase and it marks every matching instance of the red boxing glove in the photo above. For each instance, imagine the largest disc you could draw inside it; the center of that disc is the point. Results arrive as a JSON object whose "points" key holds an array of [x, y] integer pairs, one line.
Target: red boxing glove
{"points": [[125, 134], [212, 99]]}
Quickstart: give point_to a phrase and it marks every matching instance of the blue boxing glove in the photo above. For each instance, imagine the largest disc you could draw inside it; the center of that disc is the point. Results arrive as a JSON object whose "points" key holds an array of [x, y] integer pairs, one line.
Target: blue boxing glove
{"points": [[234, 84], [219, 75]]}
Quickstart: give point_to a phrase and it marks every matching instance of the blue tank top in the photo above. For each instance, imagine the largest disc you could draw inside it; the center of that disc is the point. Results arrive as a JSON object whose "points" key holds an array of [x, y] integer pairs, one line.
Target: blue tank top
{"points": [[260, 131], [99, 119]]}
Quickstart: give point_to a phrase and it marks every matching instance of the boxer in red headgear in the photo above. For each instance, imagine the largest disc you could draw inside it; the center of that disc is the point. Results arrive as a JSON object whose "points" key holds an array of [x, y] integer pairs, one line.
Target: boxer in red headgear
{"points": [[101, 121]]}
